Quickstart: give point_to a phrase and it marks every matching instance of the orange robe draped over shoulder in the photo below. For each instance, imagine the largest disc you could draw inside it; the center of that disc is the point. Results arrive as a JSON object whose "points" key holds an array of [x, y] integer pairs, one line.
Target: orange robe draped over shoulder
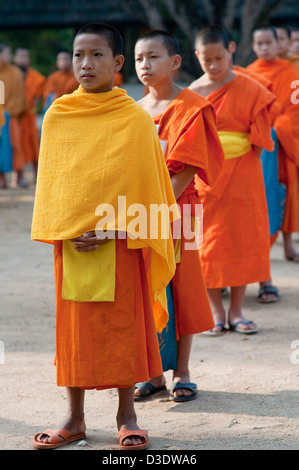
{"points": [[188, 129], [282, 74], [236, 242], [34, 87], [15, 105]]}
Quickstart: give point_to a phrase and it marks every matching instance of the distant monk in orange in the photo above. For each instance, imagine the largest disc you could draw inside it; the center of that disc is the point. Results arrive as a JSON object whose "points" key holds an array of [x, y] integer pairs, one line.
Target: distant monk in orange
{"points": [[236, 242], [188, 134], [118, 79], [268, 293], [62, 81], [284, 46], [15, 105], [282, 74], [34, 87]]}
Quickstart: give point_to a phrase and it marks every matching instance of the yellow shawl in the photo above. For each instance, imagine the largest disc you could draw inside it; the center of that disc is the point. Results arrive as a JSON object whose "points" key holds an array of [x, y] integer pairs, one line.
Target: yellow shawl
{"points": [[96, 147]]}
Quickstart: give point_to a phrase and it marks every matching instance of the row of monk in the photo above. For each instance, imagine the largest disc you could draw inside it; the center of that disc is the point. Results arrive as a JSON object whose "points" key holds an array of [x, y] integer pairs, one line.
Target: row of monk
{"points": [[208, 149], [24, 89]]}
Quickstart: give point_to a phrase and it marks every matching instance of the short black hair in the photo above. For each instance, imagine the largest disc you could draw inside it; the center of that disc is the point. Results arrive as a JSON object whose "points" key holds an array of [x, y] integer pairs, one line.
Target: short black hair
{"points": [[264, 28], [286, 28], [213, 34], [169, 41], [109, 33]]}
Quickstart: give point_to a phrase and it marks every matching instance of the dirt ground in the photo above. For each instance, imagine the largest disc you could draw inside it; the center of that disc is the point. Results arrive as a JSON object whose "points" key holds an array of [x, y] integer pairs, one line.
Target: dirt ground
{"points": [[248, 385]]}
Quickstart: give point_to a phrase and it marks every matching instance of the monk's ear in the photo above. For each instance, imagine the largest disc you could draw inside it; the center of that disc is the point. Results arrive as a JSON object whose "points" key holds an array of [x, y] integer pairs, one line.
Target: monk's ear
{"points": [[119, 62], [177, 62], [232, 47]]}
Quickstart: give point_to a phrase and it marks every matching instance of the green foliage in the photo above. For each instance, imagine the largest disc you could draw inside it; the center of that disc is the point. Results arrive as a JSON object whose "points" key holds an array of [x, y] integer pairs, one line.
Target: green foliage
{"points": [[44, 45]]}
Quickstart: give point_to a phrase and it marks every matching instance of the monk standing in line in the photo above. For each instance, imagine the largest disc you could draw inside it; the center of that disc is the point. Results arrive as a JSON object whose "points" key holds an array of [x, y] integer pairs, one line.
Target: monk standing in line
{"points": [[34, 87], [282, 74], [14, 107], [236, 242], [268, 293], [187, 130], [62, 81], [110, 282], [284, 35]]}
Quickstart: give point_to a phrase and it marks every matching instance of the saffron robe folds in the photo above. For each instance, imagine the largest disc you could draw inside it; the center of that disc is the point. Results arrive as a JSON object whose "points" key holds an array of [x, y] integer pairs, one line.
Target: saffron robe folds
{"points": [[236, 242], [188, 131], [282, 74], [96, 147]]}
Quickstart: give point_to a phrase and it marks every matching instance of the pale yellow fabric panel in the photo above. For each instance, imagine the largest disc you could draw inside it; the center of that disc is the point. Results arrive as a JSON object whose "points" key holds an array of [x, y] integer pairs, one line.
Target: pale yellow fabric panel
{"points": [[89, 276]]}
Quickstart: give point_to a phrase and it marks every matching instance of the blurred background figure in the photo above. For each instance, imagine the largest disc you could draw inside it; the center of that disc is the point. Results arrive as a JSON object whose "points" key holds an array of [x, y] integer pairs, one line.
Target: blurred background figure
{"points": [[34, 83], [12, 156], [62, 81]]}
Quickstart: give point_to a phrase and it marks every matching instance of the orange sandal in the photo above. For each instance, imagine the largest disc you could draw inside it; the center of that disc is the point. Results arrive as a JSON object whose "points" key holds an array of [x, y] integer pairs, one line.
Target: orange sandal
{"points": [[125, 433], [55, 435]]}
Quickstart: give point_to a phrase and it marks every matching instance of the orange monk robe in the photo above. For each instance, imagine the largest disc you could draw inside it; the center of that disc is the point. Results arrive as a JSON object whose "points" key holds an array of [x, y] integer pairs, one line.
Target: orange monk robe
{"points": [[34, 86], [275, 107], [60, 83], [282, 74], [294, 59], [118, 79], [187, 130], [236, 243], [15, 105]]}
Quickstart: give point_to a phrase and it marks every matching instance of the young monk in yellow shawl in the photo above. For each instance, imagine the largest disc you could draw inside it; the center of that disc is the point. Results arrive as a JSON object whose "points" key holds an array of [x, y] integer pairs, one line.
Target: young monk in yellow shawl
{"points": [[236, 240], [187, 130], [100, 154]]}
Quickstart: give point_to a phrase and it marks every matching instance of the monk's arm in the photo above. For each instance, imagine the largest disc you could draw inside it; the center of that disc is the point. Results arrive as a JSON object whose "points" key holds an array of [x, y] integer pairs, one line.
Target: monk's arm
{"points": [[259, 151], [180, 181]]}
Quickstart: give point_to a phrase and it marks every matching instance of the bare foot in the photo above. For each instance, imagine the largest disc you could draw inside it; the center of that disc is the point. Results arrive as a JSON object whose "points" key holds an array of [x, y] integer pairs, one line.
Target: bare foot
{"points": [[129, 422], [268, 297], [181, 392], [157, 382], [243, 324], [74, 426]]}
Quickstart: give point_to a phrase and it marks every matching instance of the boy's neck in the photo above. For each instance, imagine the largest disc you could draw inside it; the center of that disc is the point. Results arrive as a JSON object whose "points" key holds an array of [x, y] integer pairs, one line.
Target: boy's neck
{"points": [[165, 92], [220, 83]]}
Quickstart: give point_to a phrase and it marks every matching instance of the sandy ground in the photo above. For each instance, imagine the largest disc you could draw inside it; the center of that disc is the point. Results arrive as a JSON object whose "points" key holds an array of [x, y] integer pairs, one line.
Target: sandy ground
{"points": [[248, 386]]}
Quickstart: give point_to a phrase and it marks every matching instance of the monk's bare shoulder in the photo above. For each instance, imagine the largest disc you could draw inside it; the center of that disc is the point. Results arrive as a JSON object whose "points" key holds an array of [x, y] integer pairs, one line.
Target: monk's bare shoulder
{"points": [[199, 86]]}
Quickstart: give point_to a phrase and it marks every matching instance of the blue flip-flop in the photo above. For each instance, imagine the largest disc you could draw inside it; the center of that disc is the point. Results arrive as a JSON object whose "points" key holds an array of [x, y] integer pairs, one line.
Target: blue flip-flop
{"points": [[215, 333], [187, 386], [147, 389], [234, 327]]}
